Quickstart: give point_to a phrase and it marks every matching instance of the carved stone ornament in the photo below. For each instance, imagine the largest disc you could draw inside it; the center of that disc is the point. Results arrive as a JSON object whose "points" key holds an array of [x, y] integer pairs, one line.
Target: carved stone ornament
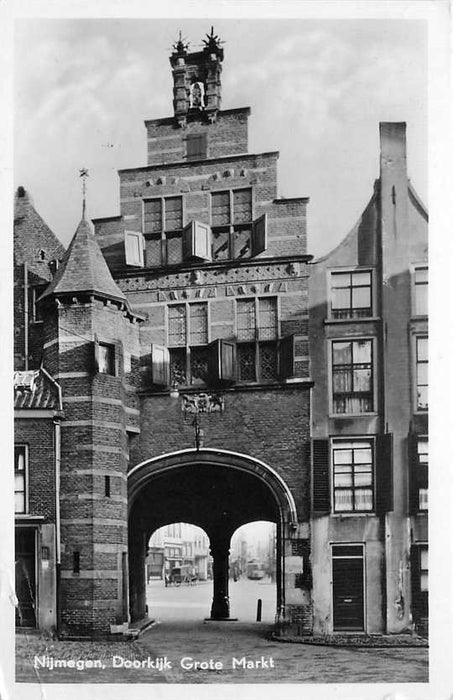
{"points": [[202, 403]]}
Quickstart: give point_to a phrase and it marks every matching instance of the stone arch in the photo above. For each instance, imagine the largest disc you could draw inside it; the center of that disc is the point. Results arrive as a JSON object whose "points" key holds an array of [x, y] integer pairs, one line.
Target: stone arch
{"points": [[243, 489]]}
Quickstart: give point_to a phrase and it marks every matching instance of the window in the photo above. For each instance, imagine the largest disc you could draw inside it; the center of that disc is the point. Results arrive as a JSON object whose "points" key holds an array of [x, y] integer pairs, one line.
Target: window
{"points": [[421, 359], [352, 475], [422, 452], [418, 473], [162, 224], [196, 146], [257, 333], [187, 341], [423, 568], [106, 359], [352, 376], [351, 294], [421, 290], [235, 234], [20, 476]]}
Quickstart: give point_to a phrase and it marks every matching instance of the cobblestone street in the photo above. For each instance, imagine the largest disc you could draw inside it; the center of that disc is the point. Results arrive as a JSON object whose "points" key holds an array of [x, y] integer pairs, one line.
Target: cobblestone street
{"points": [[181, 647]]}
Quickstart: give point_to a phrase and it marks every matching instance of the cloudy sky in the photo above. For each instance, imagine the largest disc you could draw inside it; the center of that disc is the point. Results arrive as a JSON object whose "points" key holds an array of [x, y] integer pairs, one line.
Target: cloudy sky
{"points": [[317, 90]]}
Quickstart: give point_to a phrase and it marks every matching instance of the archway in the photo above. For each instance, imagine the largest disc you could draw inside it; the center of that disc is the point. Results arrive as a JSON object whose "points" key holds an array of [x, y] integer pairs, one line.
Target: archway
{"points": [[217, 490]]}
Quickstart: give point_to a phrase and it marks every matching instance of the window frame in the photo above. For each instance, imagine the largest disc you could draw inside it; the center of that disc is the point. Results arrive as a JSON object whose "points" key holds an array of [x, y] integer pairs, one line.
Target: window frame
{"points": [[422, 439], [257, 342], [351, 270], [423, 265], [162, 235], [187, 346], [335, 442], [374, 374], [111, 358], [231, 226], [416, 337], [25, 447]]}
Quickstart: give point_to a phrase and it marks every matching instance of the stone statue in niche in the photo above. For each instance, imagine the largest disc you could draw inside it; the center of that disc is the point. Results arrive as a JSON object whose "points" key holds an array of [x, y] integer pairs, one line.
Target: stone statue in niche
{"points": [[196, 96]]}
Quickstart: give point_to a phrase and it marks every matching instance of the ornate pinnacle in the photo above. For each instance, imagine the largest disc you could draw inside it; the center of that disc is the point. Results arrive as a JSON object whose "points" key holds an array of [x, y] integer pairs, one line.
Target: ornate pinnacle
{"points": [[180, 47]]}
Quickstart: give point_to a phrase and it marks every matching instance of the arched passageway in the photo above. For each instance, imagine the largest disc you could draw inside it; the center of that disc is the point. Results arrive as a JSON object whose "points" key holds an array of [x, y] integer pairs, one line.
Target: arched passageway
{"points": [[217, 490]]}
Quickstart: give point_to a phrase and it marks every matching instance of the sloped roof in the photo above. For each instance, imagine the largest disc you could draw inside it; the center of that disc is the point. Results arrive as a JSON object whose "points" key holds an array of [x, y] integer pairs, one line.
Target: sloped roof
{"points": [[32, 235], [83, 268], [36, 389]]}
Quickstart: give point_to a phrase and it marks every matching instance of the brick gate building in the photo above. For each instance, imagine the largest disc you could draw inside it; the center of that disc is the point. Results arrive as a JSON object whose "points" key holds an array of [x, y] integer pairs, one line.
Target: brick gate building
{"points": [[178, 333]]}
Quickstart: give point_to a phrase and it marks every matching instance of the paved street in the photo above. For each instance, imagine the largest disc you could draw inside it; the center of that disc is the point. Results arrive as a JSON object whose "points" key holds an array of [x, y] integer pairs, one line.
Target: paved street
{"points": [[181, 647], [194, 602]]}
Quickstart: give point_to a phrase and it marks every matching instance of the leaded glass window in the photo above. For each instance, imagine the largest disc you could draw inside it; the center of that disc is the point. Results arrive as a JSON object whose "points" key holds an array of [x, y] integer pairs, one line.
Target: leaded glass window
{"points": [[257, 321], [231, 223], [187, 340]]}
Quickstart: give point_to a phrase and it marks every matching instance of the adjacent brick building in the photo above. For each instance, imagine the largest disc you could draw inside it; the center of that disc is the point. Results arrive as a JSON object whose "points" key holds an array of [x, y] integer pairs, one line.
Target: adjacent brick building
{"points": [[178, 333]]}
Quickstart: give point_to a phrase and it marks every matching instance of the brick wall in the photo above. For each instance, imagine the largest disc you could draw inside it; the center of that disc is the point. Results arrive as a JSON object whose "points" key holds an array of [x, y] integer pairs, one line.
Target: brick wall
{"points": [[252, 424], [38, 434]]}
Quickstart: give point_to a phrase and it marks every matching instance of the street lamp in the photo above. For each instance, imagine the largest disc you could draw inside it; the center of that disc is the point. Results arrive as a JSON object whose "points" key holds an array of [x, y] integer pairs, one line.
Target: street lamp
{"points": [[197, 404]]}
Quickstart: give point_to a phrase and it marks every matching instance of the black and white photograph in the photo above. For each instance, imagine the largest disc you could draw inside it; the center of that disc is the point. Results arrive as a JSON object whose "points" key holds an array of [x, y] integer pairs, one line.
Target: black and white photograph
{"points": [[220, 268]]}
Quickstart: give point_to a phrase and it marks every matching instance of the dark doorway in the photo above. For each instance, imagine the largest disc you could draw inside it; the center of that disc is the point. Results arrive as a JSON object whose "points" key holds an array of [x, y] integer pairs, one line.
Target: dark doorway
{"points": [[347, 578], [25, 571]]}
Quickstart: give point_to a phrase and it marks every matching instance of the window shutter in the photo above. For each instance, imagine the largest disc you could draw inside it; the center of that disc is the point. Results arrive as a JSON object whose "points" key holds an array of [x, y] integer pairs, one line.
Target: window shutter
{"points": [[160, 365], [222, 361], [415, 576], [320, 471], [196, 146], [134, 246], [196, 242], [384, 473], [95, 355], [286, 357], [259, 235]]}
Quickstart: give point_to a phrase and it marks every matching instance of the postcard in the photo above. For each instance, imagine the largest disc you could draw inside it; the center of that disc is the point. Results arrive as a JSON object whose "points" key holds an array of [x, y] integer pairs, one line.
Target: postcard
{"points": [[225, 228]]}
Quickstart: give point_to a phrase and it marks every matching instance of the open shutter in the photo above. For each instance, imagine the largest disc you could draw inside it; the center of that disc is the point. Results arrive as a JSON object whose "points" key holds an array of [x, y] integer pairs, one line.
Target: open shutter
{"points": [[95, 355], [320, 471], [160, 365], [222, 361], [259, 235], [133, 247], [196, 241], [413, 461], [286, 357], [384, 473], [293, 356]]}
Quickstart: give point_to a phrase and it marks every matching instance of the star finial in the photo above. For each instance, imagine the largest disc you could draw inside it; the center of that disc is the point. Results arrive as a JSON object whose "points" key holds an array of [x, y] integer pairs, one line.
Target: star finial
{"points": [[180, 46]]}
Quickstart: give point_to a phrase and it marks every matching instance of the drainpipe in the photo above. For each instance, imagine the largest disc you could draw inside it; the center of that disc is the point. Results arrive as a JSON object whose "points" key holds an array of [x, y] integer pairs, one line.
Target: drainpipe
{"points": [[57, 514], [26, 314]]}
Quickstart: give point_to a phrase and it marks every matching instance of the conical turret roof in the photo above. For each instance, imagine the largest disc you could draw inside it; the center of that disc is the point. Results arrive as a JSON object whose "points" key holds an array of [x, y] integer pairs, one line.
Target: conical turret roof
{"points": [[84, 269]]}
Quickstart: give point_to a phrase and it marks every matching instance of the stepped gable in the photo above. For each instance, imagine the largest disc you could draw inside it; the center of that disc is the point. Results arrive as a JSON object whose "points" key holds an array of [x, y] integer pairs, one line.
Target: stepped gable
{"points": [[84, 269], [36, 389]]}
